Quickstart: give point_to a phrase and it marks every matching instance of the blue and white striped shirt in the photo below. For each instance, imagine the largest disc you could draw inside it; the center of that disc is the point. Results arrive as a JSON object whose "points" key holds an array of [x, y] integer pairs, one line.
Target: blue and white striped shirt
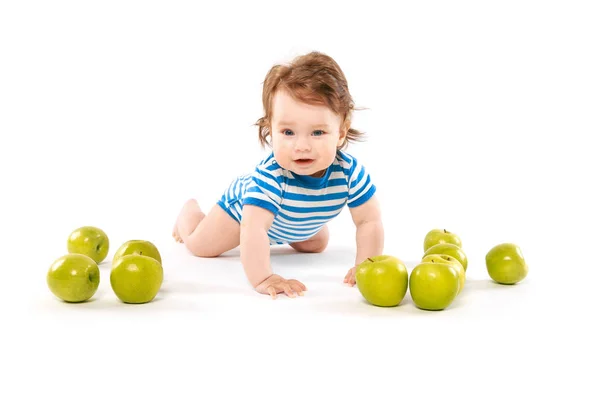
{"points": [[302, 204]]}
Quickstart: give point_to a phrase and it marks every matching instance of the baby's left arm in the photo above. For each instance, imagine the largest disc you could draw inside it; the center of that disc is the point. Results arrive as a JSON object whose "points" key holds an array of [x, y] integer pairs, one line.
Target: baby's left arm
{"points": [[369, 234]]}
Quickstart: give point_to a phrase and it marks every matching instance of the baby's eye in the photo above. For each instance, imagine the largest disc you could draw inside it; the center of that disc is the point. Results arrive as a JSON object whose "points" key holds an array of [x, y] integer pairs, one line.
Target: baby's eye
{"points": [[318, 133], [287, 132]]}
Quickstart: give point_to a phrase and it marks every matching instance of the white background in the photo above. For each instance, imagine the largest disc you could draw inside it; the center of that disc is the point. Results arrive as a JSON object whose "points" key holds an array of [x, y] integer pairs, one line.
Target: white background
{"points": [[480, 119]]}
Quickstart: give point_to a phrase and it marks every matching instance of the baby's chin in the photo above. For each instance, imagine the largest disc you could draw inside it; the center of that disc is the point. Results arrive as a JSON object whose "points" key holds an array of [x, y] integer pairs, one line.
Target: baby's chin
{"points": [[315, 172]]}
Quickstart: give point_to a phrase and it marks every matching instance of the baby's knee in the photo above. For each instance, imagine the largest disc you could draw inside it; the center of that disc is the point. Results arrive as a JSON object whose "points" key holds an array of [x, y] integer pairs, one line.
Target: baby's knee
{"points": [[320, 243], [323, 241], [316, 247], [207, 254], [319, 247], [199, 250], [312, 246]]}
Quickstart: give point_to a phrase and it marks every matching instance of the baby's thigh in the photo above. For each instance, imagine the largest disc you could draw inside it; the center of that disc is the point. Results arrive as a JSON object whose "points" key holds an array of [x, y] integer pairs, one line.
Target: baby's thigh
{"points": [[217, 233]]}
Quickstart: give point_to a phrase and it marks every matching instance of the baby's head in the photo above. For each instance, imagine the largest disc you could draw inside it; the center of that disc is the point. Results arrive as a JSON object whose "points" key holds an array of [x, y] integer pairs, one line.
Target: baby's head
{"points": [[308, 112]]}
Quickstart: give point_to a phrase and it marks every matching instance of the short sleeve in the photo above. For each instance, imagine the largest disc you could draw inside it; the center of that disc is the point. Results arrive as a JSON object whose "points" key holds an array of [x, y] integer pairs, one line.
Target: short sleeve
{"points": [[360, 187], [264, 189]]}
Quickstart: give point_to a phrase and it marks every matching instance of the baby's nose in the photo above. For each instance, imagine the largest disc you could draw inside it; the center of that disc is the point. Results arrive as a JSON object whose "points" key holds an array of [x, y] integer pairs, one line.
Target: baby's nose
{"points": [[302, 144]]}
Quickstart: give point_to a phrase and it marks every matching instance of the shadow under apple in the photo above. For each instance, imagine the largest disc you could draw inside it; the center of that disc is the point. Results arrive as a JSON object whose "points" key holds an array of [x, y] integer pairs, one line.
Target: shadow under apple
{"points": [[473, 285]]}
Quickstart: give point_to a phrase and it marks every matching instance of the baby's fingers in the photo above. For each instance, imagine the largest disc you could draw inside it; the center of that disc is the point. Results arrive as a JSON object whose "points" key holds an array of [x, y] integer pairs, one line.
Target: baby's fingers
{"points": [[348, 277], [288, 290], [272, 292], [298, 284], [297, 287]]}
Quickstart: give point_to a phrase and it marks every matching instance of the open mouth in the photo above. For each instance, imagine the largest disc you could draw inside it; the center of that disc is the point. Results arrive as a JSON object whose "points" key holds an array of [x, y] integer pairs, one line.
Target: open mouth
{"points": [[303, 161]]}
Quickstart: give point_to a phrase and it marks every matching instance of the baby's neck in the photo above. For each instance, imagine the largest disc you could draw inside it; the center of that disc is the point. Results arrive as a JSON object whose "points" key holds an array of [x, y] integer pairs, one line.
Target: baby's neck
{"points": [[319, 174]]}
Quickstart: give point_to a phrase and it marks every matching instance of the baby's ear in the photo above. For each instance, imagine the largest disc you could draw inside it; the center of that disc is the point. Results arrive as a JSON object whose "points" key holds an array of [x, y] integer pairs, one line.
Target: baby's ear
{"points": [[343, 132]]}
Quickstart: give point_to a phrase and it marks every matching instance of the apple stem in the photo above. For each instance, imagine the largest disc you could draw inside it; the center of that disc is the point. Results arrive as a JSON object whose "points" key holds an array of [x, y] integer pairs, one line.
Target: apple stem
{"points": [[370, 259]]}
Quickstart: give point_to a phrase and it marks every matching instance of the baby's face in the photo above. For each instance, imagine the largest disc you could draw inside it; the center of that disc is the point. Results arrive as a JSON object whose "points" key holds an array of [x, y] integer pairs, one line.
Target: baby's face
{"points": [[304, 137]]}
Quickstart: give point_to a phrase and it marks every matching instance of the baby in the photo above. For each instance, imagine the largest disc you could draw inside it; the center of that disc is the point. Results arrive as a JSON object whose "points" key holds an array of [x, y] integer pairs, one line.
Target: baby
{"points": [[301, 185]]}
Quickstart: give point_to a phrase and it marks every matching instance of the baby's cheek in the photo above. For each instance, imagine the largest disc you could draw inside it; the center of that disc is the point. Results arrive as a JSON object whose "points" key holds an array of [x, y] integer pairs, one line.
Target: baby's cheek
{"points": [[281, 158], [330, 156]]}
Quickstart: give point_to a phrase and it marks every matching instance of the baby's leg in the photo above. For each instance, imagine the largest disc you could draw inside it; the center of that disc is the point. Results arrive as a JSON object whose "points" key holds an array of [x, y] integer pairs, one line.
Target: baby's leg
{"points": [[315, 244], [190, 215], [206, 235]]}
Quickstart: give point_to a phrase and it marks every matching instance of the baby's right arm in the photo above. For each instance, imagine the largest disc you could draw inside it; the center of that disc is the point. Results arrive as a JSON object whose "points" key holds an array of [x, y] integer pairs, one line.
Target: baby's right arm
{"points": [[255, 254]]}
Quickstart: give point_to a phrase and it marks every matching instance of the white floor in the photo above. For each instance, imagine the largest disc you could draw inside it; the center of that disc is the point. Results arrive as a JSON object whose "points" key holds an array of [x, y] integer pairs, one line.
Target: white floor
{"points": [[208, 332]]}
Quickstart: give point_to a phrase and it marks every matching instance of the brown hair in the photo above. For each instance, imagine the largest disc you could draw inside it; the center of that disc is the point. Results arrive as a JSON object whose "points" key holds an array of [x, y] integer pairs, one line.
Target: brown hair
{"points": [[313, 78]]}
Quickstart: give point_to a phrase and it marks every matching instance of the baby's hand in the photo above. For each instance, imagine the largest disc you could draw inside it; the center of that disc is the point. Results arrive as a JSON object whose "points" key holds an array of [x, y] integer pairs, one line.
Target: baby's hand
{"points": [[275, 284], [350, 277]]}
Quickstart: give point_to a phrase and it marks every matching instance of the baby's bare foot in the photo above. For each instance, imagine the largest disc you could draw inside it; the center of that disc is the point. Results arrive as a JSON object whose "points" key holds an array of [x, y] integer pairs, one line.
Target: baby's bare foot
{"points": [[191, 203], [176, 234]]}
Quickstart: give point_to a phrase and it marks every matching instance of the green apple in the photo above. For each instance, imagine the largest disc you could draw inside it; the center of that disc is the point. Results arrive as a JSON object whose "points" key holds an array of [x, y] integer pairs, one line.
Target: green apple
{"points": [[505, 264], [437, 236], [433, 285], [89, 241], [451, 261], [136, 279], [449, 249], [73, 278], [140, 247], [382, 280]]}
